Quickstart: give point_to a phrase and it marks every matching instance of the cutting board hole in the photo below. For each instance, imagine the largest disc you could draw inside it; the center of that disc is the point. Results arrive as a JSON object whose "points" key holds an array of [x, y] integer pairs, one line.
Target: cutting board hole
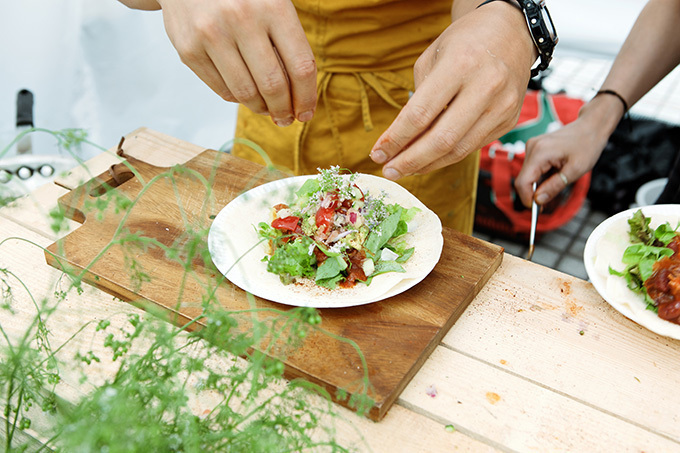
{"points": [[116, 176]]}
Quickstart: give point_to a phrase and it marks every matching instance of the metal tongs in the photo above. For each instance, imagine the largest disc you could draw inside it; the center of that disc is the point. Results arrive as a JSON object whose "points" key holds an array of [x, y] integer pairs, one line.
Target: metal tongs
{"points": [[534, 222]]}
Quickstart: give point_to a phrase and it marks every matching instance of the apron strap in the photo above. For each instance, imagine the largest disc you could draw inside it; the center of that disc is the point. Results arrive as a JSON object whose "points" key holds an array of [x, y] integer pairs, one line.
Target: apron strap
{"points": [[375, 80]]}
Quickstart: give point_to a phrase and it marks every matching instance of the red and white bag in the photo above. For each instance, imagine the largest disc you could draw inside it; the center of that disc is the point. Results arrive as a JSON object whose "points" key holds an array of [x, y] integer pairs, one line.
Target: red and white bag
{"points": [[499, 210]]}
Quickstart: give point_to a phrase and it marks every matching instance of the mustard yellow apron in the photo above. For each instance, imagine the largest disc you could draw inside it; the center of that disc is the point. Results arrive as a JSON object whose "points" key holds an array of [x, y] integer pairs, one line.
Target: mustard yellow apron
{"points": [[365, 51]]}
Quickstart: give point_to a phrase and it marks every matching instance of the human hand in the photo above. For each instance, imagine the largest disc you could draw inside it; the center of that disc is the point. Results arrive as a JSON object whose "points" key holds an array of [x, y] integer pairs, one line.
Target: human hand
{"points": [[470, 84], [252, 52], [571, 151]]}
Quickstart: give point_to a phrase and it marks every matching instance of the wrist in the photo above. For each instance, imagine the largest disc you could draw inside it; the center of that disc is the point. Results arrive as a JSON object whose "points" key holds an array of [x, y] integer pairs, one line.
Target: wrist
{"points": [[540, 27], [509, 21], [603, 112]]}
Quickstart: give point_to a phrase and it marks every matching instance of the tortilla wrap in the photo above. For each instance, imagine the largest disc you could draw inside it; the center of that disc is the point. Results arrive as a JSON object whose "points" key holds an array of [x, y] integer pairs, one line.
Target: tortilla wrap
{"points": [[237, 251]]}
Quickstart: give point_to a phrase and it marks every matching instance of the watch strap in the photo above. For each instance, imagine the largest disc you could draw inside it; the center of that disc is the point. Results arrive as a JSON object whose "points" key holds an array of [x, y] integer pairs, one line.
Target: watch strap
{"points": [[544, 58]]}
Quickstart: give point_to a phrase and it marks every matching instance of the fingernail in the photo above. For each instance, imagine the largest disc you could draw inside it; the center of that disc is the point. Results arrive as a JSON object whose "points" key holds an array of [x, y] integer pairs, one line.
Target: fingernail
{"points": [[283, 122], [391, 173], [378, 156], [306, 116], [541, 198]]}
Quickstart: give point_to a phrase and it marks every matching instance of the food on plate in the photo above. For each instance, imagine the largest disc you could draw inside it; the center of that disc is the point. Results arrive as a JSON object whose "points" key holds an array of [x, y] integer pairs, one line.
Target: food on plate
{"points": [[336, 233], [652, 265], [237, 249]]}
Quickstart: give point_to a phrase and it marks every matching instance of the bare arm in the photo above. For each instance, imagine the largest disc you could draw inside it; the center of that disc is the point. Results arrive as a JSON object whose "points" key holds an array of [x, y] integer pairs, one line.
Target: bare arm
{"points": [[649, 53]]}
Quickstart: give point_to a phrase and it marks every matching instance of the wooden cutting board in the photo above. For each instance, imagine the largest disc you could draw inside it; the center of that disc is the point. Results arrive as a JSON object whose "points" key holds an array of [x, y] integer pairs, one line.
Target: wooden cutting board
{"points": [[395, 335]]}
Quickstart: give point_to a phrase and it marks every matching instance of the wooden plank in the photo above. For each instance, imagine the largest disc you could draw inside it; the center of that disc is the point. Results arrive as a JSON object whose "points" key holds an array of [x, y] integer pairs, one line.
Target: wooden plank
{"points": [[27, 262], [33, 211], [554, 329], [396, 336], [518, 414], [21, 437], [152, 147], [403, 430]]}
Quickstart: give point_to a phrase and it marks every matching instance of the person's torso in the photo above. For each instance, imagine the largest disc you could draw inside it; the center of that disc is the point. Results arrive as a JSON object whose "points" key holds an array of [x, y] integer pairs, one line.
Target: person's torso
{"points": [[371, 35]]}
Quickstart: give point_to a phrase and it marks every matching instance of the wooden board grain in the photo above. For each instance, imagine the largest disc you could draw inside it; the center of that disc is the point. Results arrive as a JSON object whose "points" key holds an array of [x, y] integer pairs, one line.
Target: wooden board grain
{"points": [[170, 207]]}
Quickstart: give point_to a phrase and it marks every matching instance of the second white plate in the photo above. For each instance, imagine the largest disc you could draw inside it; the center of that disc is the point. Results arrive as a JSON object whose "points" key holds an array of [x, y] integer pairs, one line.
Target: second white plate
{"points": [[605, 247]]}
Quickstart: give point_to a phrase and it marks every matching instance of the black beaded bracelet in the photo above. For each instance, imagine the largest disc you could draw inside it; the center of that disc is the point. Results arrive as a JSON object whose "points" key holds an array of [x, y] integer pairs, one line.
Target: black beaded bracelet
{"points": [[512, 2], [614, 93], [626, 114]]}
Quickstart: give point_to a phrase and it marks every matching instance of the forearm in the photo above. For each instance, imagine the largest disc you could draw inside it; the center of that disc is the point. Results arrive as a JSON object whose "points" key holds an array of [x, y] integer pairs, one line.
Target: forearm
{"points": [[649, 53], [461, 7], [148, 5]]}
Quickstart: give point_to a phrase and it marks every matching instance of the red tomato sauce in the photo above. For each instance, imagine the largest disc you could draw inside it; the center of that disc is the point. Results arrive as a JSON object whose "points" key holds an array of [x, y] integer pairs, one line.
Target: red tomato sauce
{"points": [[664, 284]]}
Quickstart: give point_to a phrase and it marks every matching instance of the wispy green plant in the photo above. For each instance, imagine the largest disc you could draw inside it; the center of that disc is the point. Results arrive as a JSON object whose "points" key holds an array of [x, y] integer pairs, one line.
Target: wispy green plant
{"points": [[161, 373]]}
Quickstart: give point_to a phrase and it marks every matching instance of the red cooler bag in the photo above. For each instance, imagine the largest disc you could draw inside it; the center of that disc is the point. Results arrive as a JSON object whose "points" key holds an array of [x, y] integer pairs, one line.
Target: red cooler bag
{"points": [[499, 209]]}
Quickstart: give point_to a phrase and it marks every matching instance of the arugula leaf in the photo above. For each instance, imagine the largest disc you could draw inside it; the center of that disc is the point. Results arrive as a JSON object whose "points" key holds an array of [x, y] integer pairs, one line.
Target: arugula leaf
{"points": [[330, 272], [665, 234], [382, 267], [331, 283], [408, 214], [379, 236], [402, 228], [403, 257], [330, 268], [309, 187]]}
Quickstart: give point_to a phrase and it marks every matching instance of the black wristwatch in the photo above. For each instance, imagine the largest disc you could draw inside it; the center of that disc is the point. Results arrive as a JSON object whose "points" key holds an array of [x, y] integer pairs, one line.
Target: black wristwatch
{"points": [[541, 28]]}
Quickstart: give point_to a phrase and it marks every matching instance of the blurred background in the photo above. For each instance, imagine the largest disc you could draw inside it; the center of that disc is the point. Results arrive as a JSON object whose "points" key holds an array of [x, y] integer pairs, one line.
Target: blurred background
{"points": [[96, 65]]}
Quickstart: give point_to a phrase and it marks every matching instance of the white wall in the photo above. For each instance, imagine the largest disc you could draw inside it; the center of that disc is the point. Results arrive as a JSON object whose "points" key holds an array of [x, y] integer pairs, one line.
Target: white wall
{"points": [[593, 26], [97, 65], [94, 64]]}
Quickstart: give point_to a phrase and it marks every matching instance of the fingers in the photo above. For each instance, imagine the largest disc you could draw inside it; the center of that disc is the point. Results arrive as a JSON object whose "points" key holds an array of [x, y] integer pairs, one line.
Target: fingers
{"points": [[204, 68], [551, 187], [457, 130], [565, 154], [534, 167], [271, 86], [457, 108], [556, 170], [235, 75], [300, 66], [249, 52], [427, 103], [414, 120]]}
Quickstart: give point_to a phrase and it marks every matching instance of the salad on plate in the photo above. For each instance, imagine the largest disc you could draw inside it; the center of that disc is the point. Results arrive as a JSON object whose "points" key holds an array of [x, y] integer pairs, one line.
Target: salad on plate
{"points": [[336, 233], [328, 240], [652, 265]]}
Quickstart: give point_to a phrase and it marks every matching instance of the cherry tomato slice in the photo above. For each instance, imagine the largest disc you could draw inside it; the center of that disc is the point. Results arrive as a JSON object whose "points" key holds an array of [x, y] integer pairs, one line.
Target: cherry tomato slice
{"points": [[324, 215], [289, 223]]}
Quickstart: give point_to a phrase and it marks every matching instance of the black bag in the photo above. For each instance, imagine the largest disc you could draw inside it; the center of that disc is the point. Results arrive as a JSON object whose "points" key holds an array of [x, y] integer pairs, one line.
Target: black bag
{"points": [[638, 151]]}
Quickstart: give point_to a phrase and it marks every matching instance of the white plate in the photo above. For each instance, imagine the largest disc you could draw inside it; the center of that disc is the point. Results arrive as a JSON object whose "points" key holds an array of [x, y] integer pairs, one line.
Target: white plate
{"points": [[234, 248], [605, 247]]}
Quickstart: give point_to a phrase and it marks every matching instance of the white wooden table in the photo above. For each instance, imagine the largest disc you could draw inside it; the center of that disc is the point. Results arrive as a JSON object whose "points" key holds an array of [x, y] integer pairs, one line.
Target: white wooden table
{"points": [[538, 362]]}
